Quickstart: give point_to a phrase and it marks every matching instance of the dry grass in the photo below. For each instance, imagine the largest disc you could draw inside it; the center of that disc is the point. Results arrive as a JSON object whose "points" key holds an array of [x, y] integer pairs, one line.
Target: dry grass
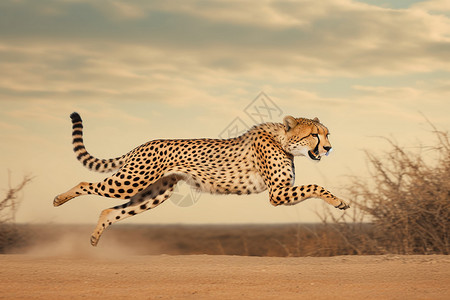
{"points": [[10, 236], [406, 199]]}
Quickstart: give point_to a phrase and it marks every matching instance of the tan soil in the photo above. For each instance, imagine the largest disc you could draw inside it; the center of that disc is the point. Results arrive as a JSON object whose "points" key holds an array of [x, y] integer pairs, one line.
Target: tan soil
{"points": [[224, 277]]}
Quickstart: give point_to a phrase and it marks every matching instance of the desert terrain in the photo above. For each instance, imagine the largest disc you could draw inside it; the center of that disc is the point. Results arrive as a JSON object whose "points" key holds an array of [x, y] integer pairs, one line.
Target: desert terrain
{"points": [[218, 263], [224, 277]]}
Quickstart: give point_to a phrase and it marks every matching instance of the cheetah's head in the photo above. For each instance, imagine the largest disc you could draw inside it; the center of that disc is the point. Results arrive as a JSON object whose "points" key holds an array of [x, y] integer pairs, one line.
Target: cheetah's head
{"points": [[306, 137]]}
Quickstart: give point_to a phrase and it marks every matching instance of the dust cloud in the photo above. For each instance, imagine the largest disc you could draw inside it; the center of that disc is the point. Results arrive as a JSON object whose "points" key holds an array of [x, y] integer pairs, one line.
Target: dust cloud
{"points": [[74, 242]]}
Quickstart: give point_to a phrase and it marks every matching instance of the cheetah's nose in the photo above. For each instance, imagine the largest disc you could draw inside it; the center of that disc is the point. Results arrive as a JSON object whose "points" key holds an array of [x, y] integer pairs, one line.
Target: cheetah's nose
{"points": [[328, 149]]}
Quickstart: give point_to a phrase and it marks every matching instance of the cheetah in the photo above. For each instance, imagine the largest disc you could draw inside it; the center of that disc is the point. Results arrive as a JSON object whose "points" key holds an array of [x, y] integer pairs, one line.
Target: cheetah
{"points": [[260, 159]]}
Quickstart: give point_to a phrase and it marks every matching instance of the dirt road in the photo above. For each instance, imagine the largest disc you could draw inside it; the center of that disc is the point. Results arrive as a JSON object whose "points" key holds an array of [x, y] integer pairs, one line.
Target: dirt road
{"points": [[224, 277]]}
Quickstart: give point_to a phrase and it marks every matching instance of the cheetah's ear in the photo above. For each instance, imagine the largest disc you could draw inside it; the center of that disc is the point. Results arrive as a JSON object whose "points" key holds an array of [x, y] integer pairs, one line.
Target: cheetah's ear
{"points": [[316, 119], [289, 122]]}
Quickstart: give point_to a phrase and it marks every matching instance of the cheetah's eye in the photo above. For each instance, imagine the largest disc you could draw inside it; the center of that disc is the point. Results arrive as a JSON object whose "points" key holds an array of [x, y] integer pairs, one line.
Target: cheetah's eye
{"points": [[314, 134]]}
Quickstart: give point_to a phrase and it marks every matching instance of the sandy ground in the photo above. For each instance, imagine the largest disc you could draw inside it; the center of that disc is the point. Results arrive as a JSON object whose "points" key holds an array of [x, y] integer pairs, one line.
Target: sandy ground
{"points": [[224, 277]]}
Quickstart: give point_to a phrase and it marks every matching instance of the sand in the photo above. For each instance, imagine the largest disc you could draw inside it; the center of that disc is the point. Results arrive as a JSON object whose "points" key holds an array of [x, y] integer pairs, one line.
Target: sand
{"points": [[223, 277]]}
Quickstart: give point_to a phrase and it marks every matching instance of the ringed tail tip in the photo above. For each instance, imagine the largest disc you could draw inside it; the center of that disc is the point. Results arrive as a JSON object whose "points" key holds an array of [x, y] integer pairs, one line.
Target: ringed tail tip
{"points": [[75, 117]]}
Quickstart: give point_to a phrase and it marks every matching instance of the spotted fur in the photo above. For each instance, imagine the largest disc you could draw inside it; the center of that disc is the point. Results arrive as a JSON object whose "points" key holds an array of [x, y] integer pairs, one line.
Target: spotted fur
{"points": [[260, 159]]}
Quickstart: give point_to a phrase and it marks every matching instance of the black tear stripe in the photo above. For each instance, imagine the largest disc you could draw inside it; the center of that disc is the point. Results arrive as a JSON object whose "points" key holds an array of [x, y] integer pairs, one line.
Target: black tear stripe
{"points": [[316, 149]]}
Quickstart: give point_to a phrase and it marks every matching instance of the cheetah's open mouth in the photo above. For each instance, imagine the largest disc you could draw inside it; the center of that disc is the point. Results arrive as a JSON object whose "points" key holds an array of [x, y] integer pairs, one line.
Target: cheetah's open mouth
{"points": [[313, 155]]}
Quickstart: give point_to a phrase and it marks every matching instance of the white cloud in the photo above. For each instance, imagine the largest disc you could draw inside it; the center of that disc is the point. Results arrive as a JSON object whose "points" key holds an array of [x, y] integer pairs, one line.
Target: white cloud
{"points": [[433, 6], [127, 10], [8, 127], [325, 38], [398, 93]]}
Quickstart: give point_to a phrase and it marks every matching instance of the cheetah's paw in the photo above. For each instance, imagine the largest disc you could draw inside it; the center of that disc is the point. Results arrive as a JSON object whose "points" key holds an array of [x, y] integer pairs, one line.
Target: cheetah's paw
{"points": [[343, 205], [94, 239], [60, 200]]}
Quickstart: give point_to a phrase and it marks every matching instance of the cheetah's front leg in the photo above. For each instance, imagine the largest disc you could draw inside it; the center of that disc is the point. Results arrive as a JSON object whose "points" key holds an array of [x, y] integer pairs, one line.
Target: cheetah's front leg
{"points": [[291, 195]]}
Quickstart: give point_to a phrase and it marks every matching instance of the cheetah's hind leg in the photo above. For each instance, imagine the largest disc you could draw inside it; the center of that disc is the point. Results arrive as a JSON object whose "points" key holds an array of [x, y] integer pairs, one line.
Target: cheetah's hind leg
{"points": [[152, 196]]}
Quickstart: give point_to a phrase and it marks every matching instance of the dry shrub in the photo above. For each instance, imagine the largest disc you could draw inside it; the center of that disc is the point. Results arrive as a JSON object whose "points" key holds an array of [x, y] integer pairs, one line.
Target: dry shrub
{"points": [[406, 198], [9, 233]]}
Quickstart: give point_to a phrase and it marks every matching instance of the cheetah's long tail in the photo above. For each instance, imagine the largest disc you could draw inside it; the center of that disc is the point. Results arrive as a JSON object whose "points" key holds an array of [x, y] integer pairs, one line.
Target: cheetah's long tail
{"points": [[89, 161]]}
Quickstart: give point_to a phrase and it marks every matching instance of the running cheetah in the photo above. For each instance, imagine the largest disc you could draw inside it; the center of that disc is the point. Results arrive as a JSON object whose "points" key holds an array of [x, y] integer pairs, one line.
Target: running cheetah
{"points": [[260, 159]]}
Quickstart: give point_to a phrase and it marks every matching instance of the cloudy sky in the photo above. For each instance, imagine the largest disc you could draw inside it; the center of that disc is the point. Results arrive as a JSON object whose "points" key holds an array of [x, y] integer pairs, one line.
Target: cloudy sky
{"points": [[141, 70]]}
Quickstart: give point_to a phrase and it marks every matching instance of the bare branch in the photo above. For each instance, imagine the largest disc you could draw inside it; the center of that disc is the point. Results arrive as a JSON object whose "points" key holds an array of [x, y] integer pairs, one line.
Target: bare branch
{"points": [[10, 203]]}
